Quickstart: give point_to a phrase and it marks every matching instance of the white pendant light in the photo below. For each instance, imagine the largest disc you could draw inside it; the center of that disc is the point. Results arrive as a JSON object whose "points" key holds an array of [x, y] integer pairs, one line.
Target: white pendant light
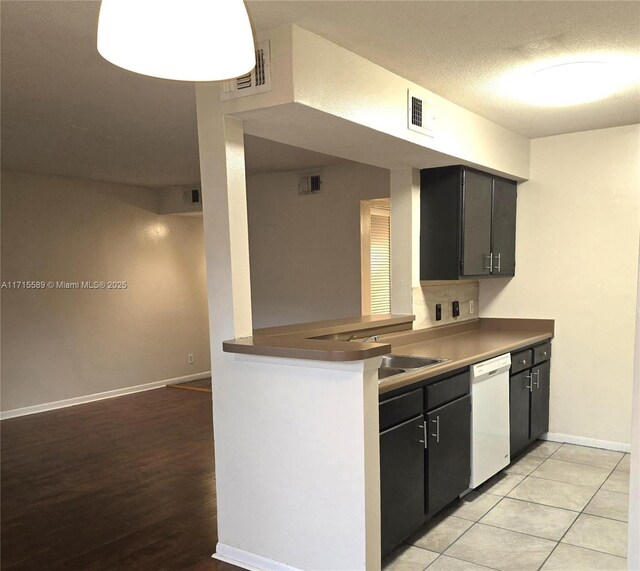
{"points": [[189, 40]]}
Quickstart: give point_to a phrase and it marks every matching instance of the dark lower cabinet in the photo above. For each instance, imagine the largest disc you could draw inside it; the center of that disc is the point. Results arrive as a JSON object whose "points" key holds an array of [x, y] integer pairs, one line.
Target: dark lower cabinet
{"points": [[425, 453], [529, 395], [540, 378], [519, 394], [448, 453], [425, 443], [402, 474]]}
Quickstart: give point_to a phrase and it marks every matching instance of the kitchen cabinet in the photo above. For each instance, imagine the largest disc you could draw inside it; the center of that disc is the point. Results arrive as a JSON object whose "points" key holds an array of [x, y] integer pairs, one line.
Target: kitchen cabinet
{"points": [[529, 387], [425, 458], [519, 406], [468, 224], [540, 378], [402, 491], [448, 453]]}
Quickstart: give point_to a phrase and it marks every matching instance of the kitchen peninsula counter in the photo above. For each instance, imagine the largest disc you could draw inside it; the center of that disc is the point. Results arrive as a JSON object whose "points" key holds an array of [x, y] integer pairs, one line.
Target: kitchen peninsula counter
{"points": [[462, 344]]}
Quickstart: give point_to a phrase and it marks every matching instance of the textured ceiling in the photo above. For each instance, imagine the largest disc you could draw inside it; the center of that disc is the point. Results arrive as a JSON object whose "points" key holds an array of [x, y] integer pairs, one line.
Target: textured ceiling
{"points": [[66, 111], [459, 49]]}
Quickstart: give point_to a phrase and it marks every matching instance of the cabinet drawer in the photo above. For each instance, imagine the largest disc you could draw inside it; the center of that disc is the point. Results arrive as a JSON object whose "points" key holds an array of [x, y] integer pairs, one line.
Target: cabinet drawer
{"points": [[520, 361], [400, 408], [541, 353], [446, 390]]}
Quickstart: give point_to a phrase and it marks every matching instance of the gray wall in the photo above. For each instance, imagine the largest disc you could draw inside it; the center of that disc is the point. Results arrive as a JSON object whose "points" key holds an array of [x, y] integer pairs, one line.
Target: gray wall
{"points": [[59, 344], [305, 249]]}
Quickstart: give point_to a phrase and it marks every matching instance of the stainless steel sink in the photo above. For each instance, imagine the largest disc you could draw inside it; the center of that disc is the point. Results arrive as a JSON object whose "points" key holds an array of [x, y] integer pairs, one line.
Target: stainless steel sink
{"points": [[409, 362], [384, 372], [396, 364]]}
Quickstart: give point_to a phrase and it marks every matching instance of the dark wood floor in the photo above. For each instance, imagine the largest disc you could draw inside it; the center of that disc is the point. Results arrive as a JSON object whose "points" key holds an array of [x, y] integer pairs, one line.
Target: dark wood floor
{"points": [[124, 483]]}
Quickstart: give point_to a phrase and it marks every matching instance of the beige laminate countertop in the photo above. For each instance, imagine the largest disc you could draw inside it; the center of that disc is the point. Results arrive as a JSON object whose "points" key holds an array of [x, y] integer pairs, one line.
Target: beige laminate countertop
{"points": [[322, 340], [464, 344]]}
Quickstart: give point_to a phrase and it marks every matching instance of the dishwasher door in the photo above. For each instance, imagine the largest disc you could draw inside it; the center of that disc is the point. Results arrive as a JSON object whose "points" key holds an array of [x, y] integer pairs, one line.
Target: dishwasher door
{"points": [[490, 449]]}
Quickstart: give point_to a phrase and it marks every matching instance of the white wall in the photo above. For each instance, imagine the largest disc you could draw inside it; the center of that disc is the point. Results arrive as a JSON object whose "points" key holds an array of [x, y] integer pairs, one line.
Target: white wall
{"points": [[327, 99], [305, 249], [633, 556], [577, 262], [61, 344], [331, 79]]}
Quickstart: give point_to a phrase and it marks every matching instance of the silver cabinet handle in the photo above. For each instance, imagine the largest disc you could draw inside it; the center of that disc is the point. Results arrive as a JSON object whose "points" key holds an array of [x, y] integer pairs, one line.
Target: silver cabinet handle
{"points": [[490, 259], [522, 361], [423, 426], [537, 381], [530, 385], [498, 256], [544, 353], [437, 434]]}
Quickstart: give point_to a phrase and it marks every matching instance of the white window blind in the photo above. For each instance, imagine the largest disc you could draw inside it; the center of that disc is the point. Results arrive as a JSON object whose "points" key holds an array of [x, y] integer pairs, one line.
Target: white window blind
{"points": [[380, 261]]}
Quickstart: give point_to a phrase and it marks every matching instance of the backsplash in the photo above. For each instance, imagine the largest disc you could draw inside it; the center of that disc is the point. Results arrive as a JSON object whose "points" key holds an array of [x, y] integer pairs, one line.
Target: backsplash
{"points": [[429, 294]]}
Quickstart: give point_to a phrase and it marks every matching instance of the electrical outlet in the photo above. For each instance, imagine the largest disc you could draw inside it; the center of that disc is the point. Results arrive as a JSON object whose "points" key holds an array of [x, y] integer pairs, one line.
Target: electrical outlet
{"points": [[472, 307], [455, 308], [438, 312], [190, 358]]}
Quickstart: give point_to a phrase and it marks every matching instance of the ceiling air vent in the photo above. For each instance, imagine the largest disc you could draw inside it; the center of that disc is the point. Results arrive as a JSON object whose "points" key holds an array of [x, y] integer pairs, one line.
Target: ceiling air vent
{"points": [[419, 114], [309, 183], [257, 80]]}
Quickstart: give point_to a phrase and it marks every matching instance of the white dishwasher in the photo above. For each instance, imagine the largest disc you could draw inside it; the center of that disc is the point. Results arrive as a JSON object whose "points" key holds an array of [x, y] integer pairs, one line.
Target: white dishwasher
{"points": [[490, 451]]}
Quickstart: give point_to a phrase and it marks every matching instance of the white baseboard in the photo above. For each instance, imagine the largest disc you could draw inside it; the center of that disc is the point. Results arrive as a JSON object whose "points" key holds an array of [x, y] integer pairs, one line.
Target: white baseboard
{"points": [[583, 441], [100, 396], [248, 560]]}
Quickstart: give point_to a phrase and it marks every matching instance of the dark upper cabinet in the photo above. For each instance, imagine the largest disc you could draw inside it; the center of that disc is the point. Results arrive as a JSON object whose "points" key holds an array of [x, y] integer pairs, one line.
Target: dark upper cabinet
{"points": [[402, 475], [468, 224], [448, 453], [503, 228], [476, 223]]}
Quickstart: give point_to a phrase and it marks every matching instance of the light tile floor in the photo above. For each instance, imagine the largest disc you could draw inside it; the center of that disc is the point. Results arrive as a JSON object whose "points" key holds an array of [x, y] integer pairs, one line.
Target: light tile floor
{"points": [[556, 507]]}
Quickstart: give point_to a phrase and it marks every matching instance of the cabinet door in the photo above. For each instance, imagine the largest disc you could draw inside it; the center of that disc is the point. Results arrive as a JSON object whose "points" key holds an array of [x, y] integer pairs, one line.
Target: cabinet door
{"points": [[401, 481], [540, 399], [448, 453], [476, 223], [519, 410], [503, 230]]}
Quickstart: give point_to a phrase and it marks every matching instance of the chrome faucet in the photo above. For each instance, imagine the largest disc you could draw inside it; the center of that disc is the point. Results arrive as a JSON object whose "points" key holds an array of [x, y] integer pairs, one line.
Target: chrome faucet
{"points": [[374, 338]]}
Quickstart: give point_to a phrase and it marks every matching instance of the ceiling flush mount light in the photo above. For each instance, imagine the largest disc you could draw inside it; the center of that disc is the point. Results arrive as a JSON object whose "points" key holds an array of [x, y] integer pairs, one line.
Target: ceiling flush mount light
{"points": [[188, 40], [565, 82]]}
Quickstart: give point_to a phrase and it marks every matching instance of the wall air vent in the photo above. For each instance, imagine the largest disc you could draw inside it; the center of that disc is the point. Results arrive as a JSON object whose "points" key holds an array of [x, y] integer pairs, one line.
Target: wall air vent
{"points": [[309, 183], [419, 114], [192, 196], [257, 80]]}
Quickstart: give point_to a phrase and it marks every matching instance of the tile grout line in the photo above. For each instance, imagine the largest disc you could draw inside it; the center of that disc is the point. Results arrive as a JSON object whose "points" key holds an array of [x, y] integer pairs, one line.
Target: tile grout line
{"points": [[458, 559], [572, 524], [458, 539], [572, 483], [582, 513], [478, 523], [580, 463], [520, 532], [525, 477]]}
